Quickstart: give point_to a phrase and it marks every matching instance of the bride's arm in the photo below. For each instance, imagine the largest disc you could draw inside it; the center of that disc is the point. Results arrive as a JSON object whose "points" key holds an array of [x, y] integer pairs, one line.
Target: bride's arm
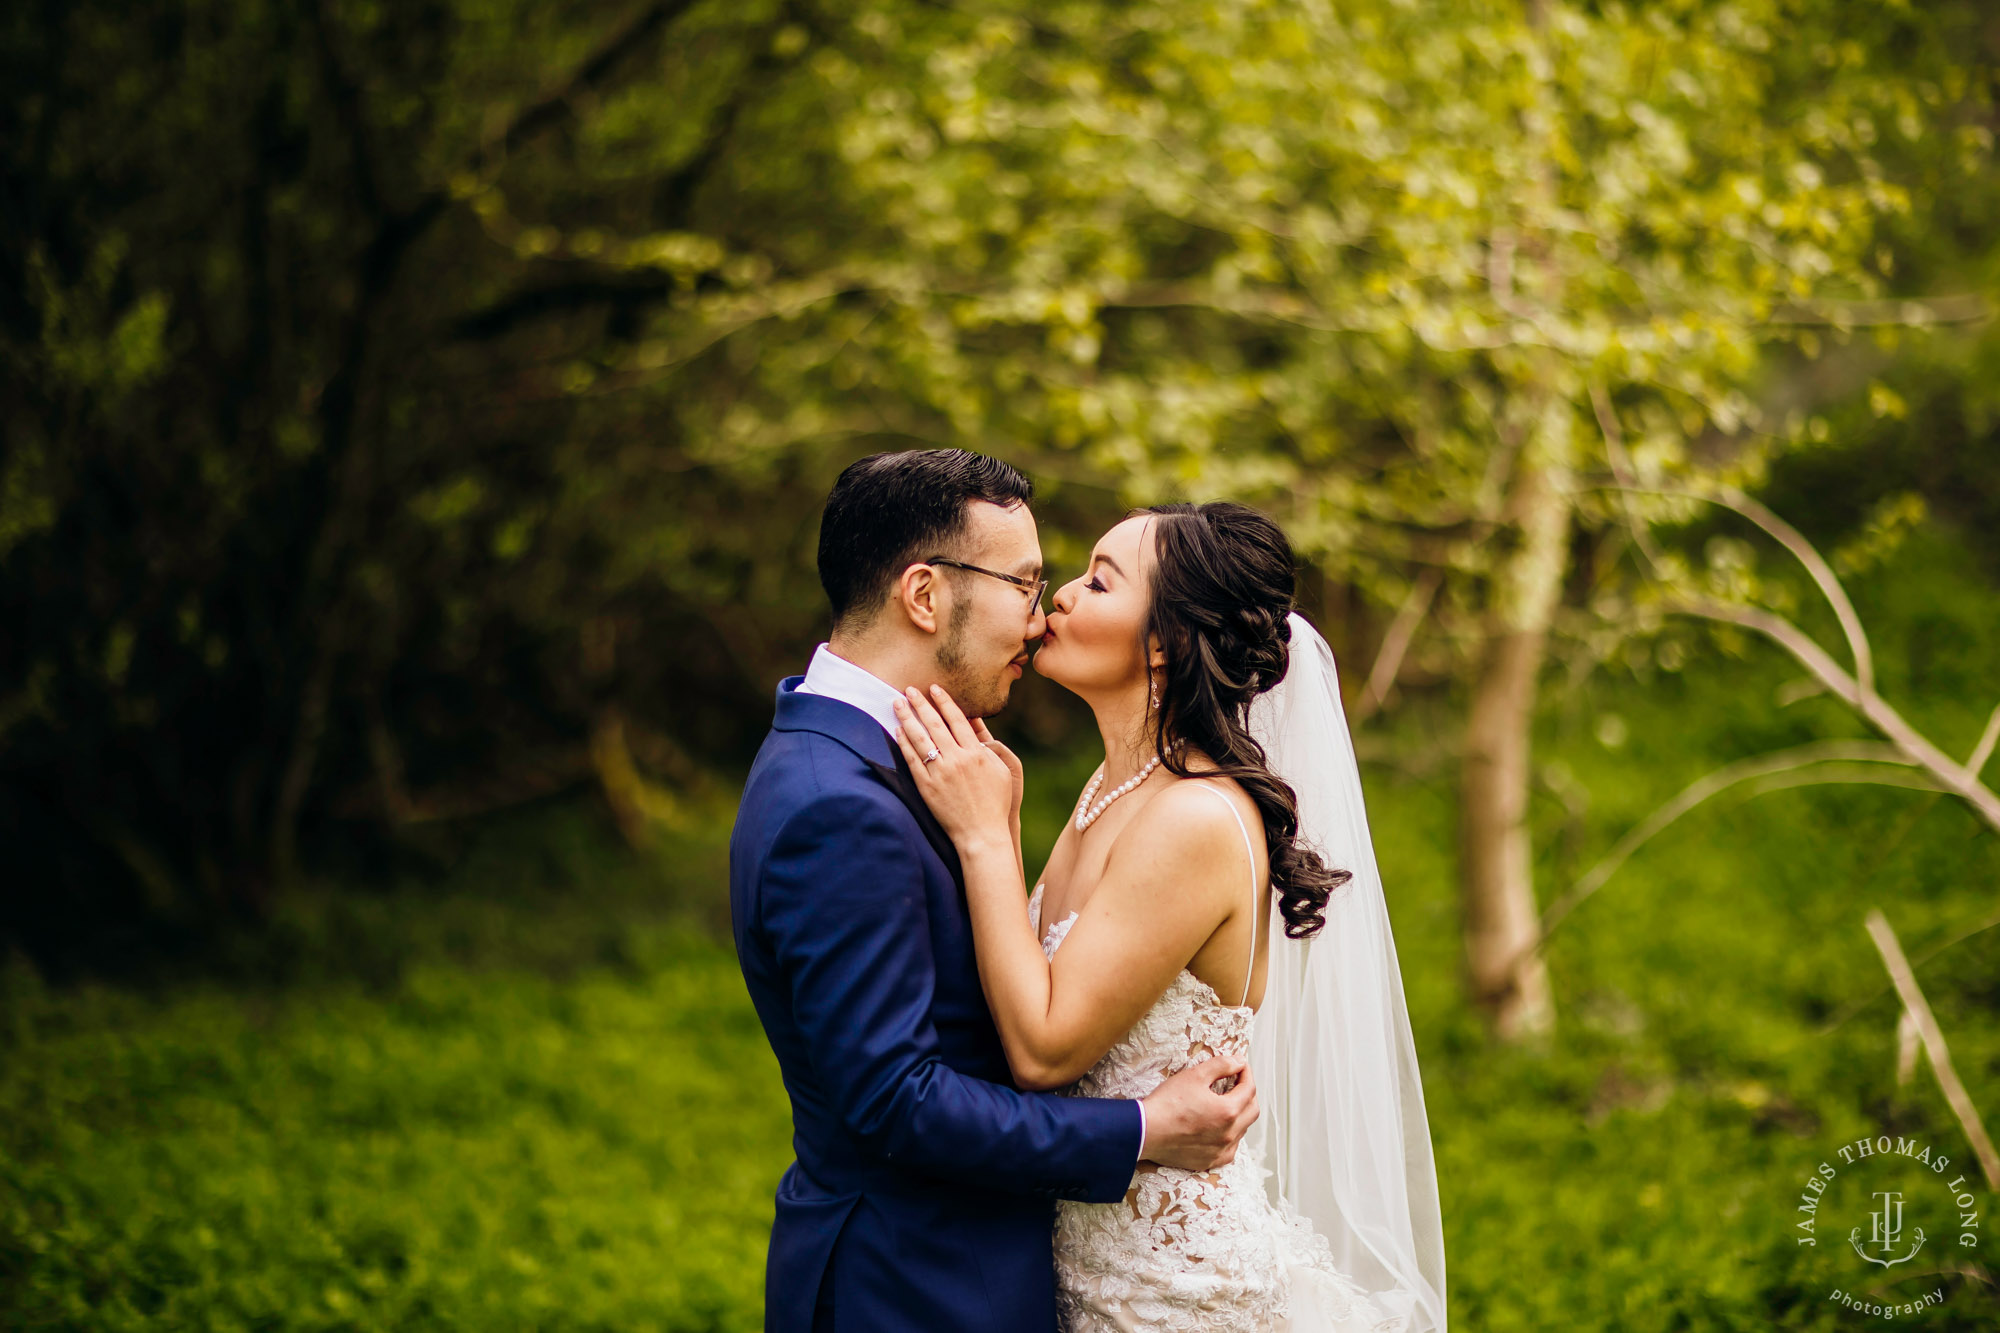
{"points": [[1157, 903]]}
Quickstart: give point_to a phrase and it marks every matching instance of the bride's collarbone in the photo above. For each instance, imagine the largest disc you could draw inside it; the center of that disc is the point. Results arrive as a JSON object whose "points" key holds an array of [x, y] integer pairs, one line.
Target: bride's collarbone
{"points": [[1078, 861]]}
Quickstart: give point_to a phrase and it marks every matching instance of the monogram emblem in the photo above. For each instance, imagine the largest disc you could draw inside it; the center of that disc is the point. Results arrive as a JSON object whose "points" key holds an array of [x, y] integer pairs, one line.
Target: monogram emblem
{"points": [[1885, 1231]]}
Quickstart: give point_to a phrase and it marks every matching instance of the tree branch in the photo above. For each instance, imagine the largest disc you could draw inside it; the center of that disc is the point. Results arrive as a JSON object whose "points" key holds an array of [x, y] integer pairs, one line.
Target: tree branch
{"points": [[1919, 1009], [1854, 1007], [1984, 750], [1790, 538], [1621, 468], [1877, 710], [1389, 660], [1770, 771], [675, 199], [318, 617], [1965, 308], [502, 316], [557, 106], [346, 98]]}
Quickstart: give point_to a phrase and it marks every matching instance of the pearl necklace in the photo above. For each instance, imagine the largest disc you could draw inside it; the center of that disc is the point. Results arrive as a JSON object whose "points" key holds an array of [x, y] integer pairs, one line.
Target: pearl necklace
{"points": [[1086, 817]]}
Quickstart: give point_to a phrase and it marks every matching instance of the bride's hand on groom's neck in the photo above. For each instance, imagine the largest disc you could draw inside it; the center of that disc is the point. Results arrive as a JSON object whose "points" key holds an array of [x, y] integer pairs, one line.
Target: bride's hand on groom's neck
{"points": [[971, 782], [1007, 757], [1013, 762]]}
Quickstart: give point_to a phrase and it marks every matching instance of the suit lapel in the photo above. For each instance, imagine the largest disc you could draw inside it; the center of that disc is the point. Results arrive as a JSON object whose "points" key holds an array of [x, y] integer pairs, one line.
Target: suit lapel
{"points": [[864, 735], [899, 781]]}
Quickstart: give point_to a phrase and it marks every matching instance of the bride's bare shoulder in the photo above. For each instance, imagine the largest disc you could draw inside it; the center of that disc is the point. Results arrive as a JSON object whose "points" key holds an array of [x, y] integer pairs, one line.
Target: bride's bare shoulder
{"points": [[1186, 826], [1188, 792]]}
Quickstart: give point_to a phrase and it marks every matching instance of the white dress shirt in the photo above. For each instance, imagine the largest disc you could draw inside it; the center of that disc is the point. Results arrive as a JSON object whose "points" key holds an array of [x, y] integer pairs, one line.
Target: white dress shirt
{"points": [[834, 677]]}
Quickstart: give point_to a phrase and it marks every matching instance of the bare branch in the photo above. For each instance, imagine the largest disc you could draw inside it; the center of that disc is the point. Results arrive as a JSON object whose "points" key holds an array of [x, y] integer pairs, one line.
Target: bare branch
{"points": [[1787, 635], [345, 94], [1822, 574], [1908, 1039], [1984, 750], [652, 362], [1872, 706], [1807, 555], [1784, 762], [1621, 468], [1854, 1007], [1389, 660], [1284, 307], [1919, 1009], [1966, 308]]}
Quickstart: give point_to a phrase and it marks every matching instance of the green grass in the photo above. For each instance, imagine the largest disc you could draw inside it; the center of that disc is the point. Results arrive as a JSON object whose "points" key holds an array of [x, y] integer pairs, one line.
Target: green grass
{"points": [[537, 1097], [552, 1115]]}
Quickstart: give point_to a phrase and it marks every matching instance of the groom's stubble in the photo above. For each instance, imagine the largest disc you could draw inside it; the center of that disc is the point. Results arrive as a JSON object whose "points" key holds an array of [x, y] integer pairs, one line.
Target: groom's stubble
{"points": [[974, 697]]}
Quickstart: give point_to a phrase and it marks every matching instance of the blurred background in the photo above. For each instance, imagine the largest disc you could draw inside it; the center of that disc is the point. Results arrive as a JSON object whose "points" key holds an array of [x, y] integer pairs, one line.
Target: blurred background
{"points": [[415, 421]]}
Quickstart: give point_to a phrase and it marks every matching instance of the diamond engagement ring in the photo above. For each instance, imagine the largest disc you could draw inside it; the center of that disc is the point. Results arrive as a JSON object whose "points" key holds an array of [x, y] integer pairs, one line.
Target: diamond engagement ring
{"points": [[932, 755]]}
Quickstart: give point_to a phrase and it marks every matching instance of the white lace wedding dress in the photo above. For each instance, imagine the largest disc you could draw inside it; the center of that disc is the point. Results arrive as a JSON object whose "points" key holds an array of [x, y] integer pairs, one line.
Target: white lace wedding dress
{"points": [[1185, 1251]]}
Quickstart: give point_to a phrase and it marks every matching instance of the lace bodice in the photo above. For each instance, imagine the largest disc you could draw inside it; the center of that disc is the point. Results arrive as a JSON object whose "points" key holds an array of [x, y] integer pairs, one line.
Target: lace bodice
{"points": [[1186, 1251]]}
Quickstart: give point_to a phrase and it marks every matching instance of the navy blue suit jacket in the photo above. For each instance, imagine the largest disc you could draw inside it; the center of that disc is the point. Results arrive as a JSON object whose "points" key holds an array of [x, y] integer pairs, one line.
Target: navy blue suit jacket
{"points": [[923, 1194]]}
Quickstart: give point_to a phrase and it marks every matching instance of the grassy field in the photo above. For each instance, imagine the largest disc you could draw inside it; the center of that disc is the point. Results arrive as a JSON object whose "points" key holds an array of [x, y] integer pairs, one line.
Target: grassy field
{"points": [[536, 1097], [500, 1137]]}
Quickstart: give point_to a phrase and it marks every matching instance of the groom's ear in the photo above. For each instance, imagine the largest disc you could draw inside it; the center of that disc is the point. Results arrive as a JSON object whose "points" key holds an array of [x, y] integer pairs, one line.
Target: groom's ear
{"points": [[920, 594]]}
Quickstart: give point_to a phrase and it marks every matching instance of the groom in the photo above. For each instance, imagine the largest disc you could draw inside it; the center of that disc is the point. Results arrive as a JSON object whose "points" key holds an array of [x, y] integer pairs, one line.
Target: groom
{"points": [[923, 1194]]}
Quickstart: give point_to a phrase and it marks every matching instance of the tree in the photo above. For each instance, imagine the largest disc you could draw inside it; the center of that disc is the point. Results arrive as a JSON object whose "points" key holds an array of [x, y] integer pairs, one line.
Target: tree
{"points": [[305, 531], [1406, 275], [463, 412]]}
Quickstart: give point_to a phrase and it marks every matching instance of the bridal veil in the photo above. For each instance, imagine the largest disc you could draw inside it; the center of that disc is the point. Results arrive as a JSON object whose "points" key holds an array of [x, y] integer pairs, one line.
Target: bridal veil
{"points": [[1343, 1124]]}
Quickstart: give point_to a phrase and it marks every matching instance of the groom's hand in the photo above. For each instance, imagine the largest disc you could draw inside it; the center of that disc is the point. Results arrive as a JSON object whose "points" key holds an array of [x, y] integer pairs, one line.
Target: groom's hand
{"points": [[1193, 1127]]}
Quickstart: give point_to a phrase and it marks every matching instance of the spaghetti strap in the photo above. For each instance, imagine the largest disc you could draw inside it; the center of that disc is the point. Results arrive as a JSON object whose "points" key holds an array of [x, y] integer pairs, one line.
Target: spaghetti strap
{"points": [[1250, 971]]}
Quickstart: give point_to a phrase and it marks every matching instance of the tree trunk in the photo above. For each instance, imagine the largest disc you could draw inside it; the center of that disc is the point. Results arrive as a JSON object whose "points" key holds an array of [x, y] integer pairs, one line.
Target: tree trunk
{"points": [[1495, 852]]}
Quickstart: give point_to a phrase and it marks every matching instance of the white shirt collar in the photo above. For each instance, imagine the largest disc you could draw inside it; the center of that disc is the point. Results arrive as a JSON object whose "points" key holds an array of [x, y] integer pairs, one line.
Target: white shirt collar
{"points": [[837, 678]]}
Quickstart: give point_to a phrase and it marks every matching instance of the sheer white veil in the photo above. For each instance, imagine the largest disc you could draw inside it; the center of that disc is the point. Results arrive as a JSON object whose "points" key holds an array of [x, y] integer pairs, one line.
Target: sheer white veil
{"points": [[1343, 1124]]}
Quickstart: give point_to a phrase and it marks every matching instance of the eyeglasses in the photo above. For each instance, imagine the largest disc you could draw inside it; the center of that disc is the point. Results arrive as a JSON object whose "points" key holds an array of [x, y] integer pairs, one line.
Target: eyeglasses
{"points": [[1035, 587]]}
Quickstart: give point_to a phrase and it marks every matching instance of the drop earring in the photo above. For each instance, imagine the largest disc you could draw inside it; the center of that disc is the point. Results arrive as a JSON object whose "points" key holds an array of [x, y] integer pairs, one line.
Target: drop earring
{"points": [[1153, 690]]}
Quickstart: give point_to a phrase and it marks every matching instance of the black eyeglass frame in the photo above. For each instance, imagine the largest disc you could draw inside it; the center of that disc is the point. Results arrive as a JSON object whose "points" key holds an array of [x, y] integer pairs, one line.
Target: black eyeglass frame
{"points": [[1037, 586]]}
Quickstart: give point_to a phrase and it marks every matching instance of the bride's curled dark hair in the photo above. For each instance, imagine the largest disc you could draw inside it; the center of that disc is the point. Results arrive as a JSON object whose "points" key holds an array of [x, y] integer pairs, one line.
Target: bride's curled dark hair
{"points": [[1223, 581]]}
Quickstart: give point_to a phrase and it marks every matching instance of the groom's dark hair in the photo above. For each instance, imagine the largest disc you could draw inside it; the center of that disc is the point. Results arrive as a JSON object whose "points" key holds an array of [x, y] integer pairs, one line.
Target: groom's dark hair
{"points": [[889, 511]]}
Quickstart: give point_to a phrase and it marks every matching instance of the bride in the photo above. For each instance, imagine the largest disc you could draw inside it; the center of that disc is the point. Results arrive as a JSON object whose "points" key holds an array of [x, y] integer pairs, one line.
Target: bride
{"points": [[1215, 892]]}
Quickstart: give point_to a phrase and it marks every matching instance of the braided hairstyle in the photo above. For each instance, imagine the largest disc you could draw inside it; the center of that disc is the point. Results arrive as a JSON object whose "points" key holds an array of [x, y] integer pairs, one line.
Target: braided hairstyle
{"points": [[1222, 586]]}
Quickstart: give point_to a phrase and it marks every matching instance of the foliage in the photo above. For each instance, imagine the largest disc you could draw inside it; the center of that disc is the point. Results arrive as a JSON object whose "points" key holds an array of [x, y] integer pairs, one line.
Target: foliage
{"points": [[303, 542], [409, 409], [1351, 261]]}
